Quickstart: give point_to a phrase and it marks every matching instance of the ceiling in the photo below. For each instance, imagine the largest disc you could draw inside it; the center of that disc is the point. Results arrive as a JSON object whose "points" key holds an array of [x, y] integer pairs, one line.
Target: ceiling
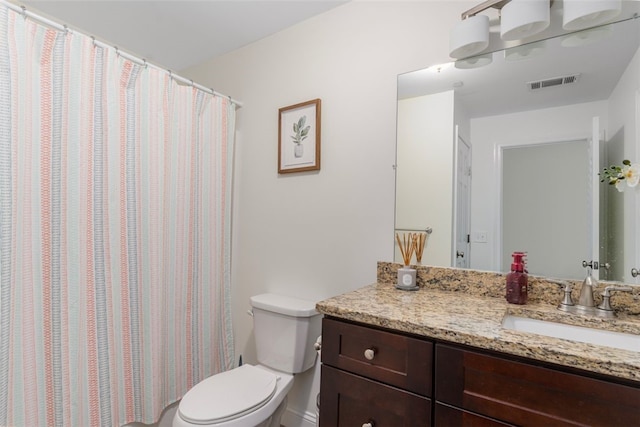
{"points": [[177, 34]]}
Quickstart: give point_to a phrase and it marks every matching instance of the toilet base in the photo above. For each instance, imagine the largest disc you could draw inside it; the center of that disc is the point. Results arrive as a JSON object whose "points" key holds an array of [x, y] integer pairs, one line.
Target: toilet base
{"points": [[274, 420]]}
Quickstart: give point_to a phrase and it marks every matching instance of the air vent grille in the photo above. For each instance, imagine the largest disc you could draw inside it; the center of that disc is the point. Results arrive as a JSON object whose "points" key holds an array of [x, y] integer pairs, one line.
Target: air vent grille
{"points": [[554, 81]]}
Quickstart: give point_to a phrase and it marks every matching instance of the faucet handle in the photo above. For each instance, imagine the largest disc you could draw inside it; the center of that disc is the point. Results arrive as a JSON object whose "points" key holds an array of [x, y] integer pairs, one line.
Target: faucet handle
{"points": [[564, 283], [606, 296], [566, 288], [596, 265]]}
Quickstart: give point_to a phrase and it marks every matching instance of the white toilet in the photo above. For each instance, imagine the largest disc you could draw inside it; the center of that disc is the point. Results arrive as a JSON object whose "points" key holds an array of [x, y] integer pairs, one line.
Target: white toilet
{"points": [[285, 331]]}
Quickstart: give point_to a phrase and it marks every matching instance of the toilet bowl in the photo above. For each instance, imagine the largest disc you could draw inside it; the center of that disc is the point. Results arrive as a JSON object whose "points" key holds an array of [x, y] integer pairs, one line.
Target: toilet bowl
{"points": [[251, 395], [285, 330]]}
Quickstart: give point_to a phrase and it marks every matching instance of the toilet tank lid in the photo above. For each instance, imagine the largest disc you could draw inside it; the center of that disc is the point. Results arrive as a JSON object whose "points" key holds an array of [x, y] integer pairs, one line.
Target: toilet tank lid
{"points": [[289, 306]]}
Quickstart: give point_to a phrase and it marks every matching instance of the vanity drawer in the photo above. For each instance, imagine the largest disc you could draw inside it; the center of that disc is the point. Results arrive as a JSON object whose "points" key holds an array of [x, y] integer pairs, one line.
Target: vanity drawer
{"points": [[350, 400], [529, 395], [388, 357]]}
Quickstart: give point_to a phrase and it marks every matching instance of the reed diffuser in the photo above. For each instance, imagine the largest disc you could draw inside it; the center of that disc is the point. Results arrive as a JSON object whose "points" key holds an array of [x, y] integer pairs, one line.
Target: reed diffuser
{"points": [[406, 274], [407, 247], [419, 241]]}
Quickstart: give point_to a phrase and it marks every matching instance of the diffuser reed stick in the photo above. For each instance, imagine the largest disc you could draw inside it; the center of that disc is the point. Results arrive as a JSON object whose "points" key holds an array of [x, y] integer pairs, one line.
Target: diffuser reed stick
{"points": [[407, 246], [420, 239]]}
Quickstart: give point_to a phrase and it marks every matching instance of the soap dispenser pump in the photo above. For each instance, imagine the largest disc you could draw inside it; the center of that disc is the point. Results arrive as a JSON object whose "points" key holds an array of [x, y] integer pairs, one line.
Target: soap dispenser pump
{"points": [[517, 280]]}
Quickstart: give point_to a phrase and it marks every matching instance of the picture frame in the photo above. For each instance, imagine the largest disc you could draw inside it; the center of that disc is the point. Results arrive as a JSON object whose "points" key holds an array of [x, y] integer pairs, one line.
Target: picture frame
{"points": [[299, 137]]}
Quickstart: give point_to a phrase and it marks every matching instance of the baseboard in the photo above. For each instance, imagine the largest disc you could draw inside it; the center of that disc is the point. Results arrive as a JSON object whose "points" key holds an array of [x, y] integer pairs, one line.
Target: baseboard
{"points": [[292, 418]]}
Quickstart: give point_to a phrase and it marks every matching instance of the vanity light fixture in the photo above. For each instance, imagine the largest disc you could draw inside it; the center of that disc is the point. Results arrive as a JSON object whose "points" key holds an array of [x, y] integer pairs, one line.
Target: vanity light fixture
{"points": [[521, 19], [469, 37], [580, 14]]}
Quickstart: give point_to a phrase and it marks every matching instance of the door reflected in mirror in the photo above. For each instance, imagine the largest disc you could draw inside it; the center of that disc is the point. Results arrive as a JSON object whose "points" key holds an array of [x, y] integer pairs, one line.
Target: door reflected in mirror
{"points": [[537, 102], [537, 206]]}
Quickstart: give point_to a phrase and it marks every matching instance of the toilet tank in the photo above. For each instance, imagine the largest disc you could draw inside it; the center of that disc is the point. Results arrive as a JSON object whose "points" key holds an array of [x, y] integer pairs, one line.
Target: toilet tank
{"points": [[285, 330]]}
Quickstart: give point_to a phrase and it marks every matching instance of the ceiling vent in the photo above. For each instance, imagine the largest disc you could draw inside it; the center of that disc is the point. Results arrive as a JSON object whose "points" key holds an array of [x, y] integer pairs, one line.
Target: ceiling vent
{"points": [[555, 81]]}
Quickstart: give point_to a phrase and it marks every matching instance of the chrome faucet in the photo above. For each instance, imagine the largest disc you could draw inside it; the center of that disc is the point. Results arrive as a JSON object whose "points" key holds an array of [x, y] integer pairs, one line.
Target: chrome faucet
{"points": [[585, 300], [586, 304]]}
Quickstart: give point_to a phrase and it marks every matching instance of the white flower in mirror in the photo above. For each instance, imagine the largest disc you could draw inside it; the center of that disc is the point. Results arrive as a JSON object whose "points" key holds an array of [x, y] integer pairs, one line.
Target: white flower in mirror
{"points": [[627, 175], [631, 174]]}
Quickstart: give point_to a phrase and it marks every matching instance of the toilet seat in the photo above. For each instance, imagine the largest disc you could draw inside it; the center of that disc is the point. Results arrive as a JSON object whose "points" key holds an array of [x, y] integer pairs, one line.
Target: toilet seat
{"points": [[228, 395]]}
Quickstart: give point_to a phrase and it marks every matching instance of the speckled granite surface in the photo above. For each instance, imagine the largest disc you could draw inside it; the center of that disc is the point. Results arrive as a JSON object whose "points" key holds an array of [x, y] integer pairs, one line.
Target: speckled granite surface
{"points": [[467, 307], [490, 284]]}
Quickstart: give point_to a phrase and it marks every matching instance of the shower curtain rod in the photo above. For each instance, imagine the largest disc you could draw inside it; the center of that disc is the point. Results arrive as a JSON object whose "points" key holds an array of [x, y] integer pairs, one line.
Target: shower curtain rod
{"points": [[140, 61]]}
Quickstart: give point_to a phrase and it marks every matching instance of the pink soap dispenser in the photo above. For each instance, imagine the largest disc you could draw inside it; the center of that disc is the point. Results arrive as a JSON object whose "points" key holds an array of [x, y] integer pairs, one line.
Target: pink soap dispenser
{"points": [[517, 280]]}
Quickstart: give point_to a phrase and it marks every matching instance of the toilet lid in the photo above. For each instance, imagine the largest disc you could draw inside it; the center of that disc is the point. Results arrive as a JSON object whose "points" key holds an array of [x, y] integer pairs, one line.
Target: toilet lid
{"points": [[228, 395]]}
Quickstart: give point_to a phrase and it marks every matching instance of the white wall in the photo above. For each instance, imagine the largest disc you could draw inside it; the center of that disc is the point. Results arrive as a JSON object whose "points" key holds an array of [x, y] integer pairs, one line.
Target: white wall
{"points": [[316, 235], [488, 133]]}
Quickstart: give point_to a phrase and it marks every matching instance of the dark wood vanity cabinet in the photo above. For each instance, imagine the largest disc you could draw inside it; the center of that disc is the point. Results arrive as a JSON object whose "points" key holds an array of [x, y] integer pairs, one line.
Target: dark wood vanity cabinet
{"points": [[351, 400], [372, 377], [526, 394], [377, 378], [446, 415]]}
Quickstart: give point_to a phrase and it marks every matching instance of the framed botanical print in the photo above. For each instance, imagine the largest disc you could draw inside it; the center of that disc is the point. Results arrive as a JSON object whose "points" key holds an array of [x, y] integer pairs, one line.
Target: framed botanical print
{"points": [[299, 137]]}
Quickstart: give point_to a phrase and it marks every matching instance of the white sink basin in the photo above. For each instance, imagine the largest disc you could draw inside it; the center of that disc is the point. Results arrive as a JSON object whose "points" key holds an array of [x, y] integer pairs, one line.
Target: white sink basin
{"points": [[613, 339]]}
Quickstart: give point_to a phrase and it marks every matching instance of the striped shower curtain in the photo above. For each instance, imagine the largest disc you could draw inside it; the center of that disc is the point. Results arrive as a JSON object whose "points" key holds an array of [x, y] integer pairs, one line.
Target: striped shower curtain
{"points": [[114, 232]]}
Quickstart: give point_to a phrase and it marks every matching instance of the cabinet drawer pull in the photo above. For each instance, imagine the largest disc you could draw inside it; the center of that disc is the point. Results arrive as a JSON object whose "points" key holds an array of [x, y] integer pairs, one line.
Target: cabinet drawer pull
{"points": [[369, 354], [369, 424]]}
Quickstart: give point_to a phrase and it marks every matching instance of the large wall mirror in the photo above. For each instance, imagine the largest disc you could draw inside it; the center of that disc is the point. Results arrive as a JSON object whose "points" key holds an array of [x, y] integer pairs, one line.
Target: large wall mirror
{"points": [[501, 153]]}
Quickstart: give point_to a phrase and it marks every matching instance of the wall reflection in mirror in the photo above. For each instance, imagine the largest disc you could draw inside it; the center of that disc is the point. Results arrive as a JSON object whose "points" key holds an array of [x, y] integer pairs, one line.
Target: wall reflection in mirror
{"points": [[501, 153]]}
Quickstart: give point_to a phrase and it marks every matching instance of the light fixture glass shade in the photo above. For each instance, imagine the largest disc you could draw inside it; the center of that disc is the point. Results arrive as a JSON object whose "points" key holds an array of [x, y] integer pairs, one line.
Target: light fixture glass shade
{"points": [[525, 51], [469, 37], [474, 61], [586, 37], [523, 18], [580, 14]]}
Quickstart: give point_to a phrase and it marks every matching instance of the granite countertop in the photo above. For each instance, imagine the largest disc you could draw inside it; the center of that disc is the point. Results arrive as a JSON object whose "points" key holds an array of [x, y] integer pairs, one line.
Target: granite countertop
{"points": [[475, 319]]}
